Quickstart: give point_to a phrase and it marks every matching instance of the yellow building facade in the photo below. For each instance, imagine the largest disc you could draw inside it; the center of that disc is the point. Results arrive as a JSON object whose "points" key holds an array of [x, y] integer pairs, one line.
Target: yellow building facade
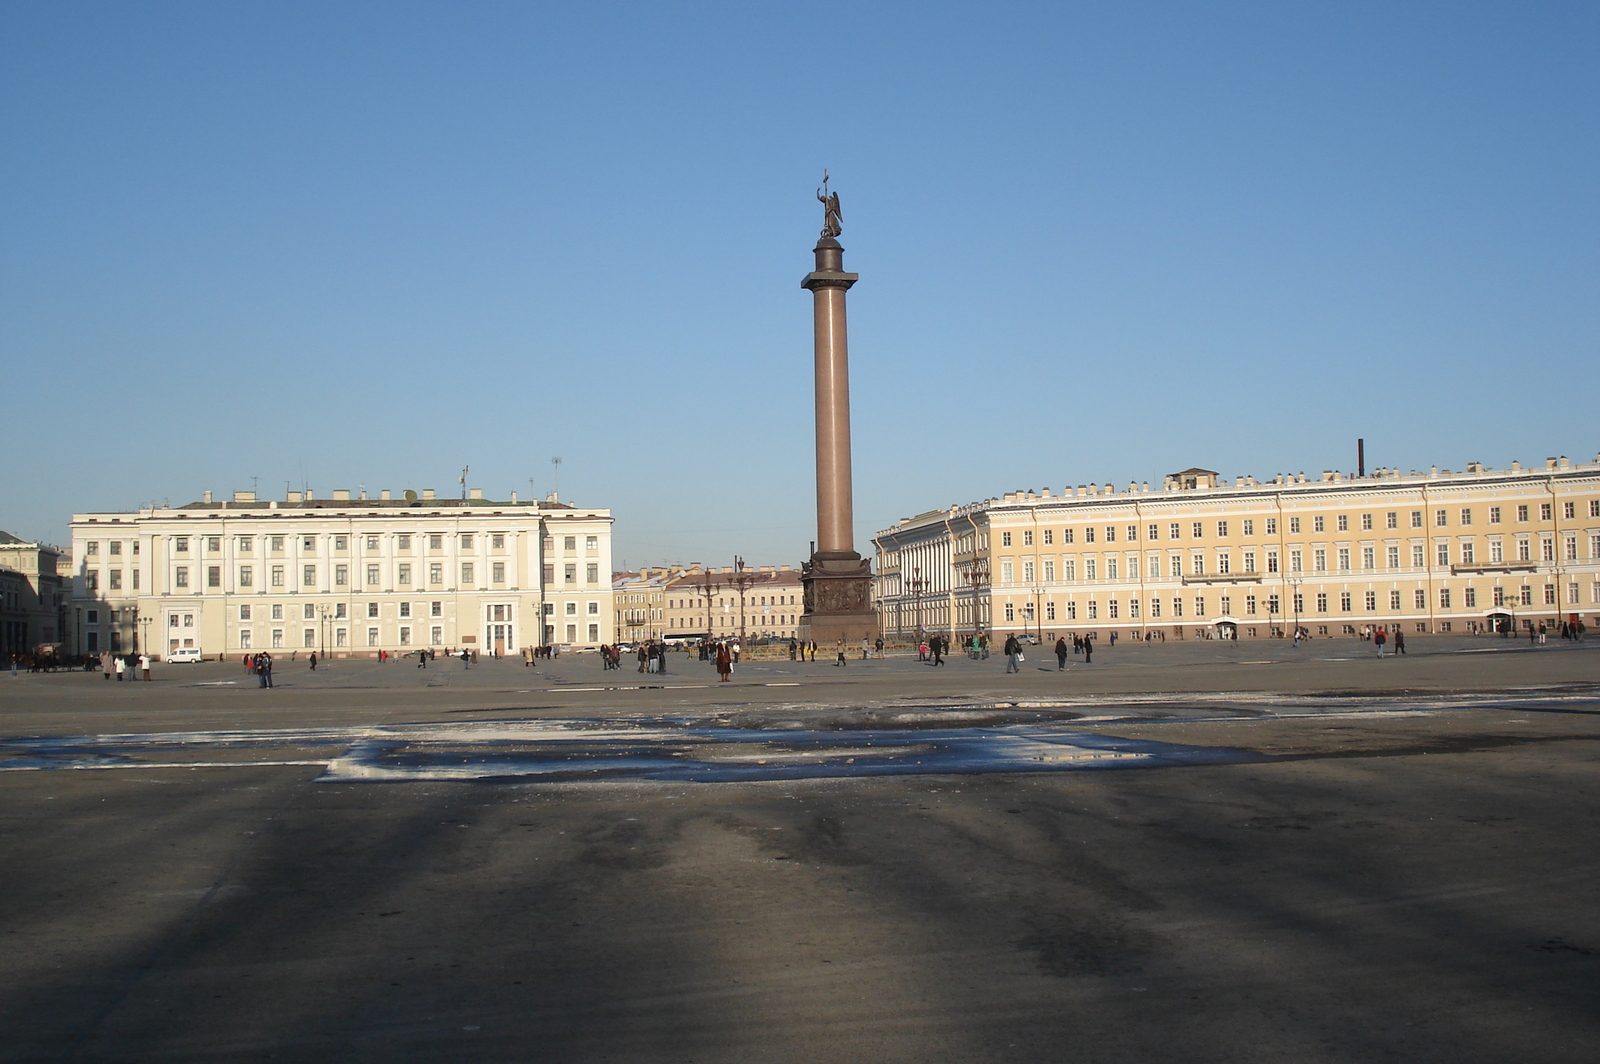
{"points": [[1434, 552]]}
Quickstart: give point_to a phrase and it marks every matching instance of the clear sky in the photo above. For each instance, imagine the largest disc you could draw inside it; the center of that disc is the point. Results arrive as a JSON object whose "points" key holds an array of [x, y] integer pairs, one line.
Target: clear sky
{"points": [[355, 244]]}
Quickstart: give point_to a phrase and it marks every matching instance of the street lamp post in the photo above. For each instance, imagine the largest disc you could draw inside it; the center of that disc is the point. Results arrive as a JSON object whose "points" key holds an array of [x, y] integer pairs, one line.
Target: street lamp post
{"points": [[707, 588], [743, 581], [1294, 583], [977, 577], [1038, 613], [917, 585]]}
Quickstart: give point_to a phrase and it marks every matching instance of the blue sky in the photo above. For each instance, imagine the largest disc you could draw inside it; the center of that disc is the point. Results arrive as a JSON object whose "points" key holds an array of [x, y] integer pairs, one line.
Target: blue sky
{"points": [[373, 243]]}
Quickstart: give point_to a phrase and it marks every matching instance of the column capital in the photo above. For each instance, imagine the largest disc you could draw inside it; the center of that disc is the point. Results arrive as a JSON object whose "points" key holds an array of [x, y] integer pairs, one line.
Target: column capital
{"points": [[829, 279]]}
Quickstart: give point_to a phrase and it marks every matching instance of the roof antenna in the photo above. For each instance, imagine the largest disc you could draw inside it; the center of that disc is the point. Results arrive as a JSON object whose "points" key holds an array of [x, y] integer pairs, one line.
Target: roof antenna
{"points": [[555, 491], [1361, 458], [463, 479]]}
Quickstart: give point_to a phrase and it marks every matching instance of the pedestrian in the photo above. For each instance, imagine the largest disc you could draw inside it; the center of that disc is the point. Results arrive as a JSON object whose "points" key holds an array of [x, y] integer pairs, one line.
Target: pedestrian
{"points": [[936, 644], [1380, 639], [1013, 650], [724, 663], [866, 649], [643, 655], [422, 659], [144, 667], [1399, 641], [105, 662], [465, 660], [1088, 650], [313, 661], [1061, 654], [840, 648], [793, 646], [120, 666]]}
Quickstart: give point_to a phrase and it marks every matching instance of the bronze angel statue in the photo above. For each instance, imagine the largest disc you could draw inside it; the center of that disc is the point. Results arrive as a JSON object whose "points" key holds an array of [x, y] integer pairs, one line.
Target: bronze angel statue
{"points": [[832, 217]]}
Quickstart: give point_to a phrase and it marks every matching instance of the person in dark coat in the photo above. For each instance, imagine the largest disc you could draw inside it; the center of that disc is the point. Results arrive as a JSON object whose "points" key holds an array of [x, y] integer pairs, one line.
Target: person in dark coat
{"points": [[1013, 654], [1061, 653], [724, 662]]}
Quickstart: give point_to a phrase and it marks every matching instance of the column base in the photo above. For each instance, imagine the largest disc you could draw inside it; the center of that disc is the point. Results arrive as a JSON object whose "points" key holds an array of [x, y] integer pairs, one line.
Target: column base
{"points": [[838, 599]]}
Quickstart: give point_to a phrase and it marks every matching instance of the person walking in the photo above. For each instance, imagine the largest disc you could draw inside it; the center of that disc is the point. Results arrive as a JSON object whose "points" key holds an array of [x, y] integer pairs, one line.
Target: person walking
{"points": [[841, 662], [1013, 650], [878, 645], [313, 661], [1061, 654], [724, 663], [120, 666], [264, 668], [1088, 649], [936, 645], [105, 662], [1399, 641], [1380, 639], [144, 667], [866, 649]]}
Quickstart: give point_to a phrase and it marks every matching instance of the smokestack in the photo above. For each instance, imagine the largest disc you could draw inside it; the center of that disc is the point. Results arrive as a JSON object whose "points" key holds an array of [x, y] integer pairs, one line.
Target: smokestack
{"points": [[1361, 458]]}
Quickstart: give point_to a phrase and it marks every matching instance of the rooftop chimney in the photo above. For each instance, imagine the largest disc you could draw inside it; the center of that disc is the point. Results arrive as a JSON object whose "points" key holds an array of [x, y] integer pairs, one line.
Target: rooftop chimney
{"points": [[208, 496]]}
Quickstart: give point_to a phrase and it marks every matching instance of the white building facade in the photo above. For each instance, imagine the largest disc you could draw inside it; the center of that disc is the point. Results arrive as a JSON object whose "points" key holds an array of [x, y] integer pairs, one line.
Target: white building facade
{"points": [[343, 576]]}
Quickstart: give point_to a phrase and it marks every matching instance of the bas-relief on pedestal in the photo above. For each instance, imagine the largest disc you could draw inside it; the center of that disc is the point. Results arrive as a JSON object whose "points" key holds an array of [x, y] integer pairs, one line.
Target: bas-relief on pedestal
{"points": [[837, 580]]}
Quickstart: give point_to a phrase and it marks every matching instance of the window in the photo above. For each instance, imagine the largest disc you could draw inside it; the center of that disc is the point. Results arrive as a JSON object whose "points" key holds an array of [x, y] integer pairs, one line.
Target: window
{"points": [[1006, 575], [246, 544], [1049, 536], [372, 542], [1094, 611], [1133, 533], [1466, 515], [1272, 526], [341, 575], [308, 637], [1322, 603], [591, 543], [1027, 572], [572, 608], [1249, 527], [1175, 565], [1444, 598], [1417, 556], [405, 636], [435, 609], [1089, 569], [277, 639], [1069, 569], [498, 571], [1295, 561], [372, 609], [403, 542], [1344, 601], [1224, 563], [372, 637], [1524, 550], [341, 542], [1571, 556], [276, 575], [1522, 513], [1299, 603], [92, 547], [180, 577], [1391, 520], [592, 573], [1367, 560], [1199, 605], [116, 546], [1442, 553], [405, 609], [436, 635], [372, 575], [1317, 524], [435, 572], [1222, 530], [1319, 560], [1470, 597], [466, 573], [1344, 522], [1005, 539], [1344, 558], [1249, 604], [1049, 571], [340, 610], [594, 633], [213, 576], [1294, 526], [1416, 518], [466, 541], [277, 611], [594, 609], [1594, 507], [1466, 552], [498, 541], [308, 612], [1547, 549], [1496, 551], [341, 636], [308, 542], [549, 574], [1372, 600], [1366, 522], [245, 576], [309, 576], [1197, 531], [1545, 510], [570, 574], [1197, 564], [1112, 613], [1569, 511], [1172, 530], [1027, 537], [1177, 606], [1153, 532], [244, 613], [1111, 568], [244, 639], [116, 579], [1088, 535], [1393, 557], [181, 543], [435, 541], [1420, 599], [1527, 595], [404, 569]]}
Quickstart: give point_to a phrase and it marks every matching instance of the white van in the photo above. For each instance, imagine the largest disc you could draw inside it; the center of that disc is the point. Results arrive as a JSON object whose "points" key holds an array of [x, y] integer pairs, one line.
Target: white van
{"points": [[182, 655]]}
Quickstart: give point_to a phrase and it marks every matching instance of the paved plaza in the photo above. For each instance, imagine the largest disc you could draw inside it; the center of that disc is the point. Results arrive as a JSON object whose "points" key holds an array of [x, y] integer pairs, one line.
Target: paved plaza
{"points": [[1196, 852]]}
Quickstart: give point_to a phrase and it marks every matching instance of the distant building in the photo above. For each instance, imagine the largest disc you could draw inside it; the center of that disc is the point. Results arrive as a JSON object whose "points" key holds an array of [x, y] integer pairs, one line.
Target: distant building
{"points": [[33, 596], [1430, 552], [639, 599], [345, 575], [771, 608]]}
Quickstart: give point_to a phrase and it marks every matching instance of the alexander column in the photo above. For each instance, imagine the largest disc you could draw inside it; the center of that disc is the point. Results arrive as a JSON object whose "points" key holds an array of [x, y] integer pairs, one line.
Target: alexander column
{"points": [[838, 582]]}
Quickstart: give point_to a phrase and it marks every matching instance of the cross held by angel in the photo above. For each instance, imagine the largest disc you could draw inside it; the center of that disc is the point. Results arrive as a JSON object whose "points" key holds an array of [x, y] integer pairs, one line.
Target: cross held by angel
{"points": [[832, 217]]}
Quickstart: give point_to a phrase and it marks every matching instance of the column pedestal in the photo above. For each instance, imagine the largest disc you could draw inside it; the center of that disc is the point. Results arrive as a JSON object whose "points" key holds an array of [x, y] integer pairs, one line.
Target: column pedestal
{"points": [[838, 595]]}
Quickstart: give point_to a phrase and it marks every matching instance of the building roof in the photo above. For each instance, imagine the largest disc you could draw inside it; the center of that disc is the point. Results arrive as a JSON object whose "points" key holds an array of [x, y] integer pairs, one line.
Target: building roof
{"points": [[1194, 469], [7, 537]]}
